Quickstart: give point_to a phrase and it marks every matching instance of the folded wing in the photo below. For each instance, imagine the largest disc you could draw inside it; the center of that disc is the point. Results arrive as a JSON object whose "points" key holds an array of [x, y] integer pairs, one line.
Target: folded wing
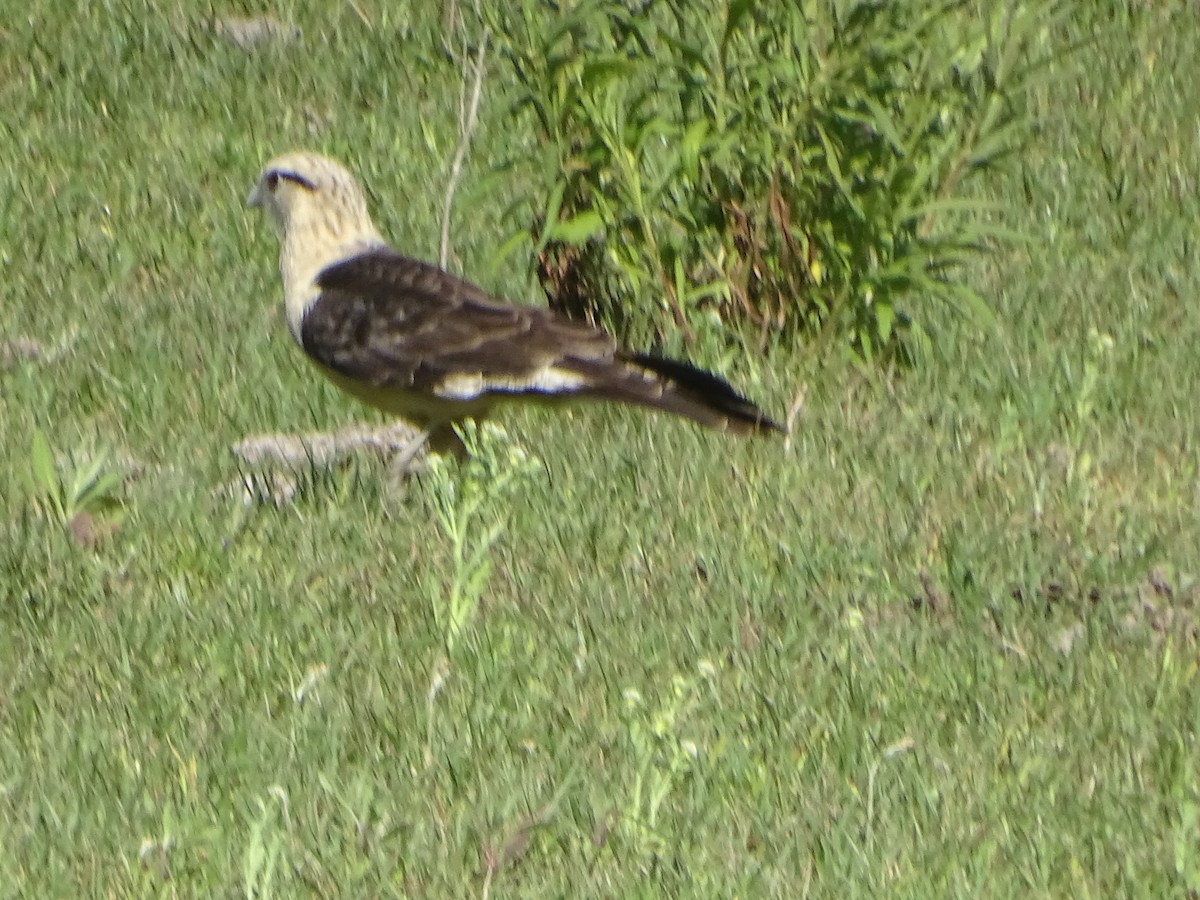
{"points": [[394, 322]]}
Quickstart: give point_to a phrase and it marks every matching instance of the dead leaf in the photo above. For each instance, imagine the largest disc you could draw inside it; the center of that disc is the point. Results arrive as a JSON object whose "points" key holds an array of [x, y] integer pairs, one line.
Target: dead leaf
{"points": [[90, 532]]}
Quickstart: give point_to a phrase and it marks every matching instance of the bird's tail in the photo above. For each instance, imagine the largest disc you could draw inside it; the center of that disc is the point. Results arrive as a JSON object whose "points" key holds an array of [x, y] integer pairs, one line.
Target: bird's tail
{"points": [[685, 390]]}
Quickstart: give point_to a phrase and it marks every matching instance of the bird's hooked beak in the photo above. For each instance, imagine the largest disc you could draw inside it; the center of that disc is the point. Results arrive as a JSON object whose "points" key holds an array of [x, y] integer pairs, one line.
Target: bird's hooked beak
{"points": [[256, 196]]}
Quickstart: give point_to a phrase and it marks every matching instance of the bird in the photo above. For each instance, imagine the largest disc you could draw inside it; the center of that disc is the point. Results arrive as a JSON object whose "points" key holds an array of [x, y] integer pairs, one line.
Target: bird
{"points": [[417, 342]]}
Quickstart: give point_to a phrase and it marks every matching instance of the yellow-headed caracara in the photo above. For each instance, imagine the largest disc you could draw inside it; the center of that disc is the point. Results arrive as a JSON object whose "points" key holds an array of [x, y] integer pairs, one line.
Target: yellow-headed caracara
{"points": [[414, 341]]}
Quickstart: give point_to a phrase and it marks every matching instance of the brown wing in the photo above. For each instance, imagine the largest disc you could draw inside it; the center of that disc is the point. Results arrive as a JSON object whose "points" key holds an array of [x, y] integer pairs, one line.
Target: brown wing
{"points": [[390, 321]]}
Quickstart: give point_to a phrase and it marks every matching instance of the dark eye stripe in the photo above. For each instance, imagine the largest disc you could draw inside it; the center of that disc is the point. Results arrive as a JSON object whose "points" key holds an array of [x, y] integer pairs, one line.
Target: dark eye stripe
{"points": [[275, 175]]}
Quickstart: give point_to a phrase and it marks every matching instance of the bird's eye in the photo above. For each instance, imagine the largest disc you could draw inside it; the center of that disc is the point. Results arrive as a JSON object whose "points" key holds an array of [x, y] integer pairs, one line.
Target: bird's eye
{"points": [[272, 181]]}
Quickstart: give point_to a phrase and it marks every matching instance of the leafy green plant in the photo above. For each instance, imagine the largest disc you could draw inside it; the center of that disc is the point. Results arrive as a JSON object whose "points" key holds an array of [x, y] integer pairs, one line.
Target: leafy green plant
{"points": [[663, 758], [468, 500], [264, 849], [804, 166], [1187, 845], [87, 487]]}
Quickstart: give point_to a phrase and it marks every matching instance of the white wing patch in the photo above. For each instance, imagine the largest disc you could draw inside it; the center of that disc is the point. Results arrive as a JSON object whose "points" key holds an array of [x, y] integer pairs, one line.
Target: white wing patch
{"points": [[548, 381]]}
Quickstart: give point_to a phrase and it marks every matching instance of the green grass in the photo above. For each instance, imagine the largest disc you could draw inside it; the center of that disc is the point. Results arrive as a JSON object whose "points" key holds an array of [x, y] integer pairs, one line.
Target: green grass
{"points": [[943, 644]]}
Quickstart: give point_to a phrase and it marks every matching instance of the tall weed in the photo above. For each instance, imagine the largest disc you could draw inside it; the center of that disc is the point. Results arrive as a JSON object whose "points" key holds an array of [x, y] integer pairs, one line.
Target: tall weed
{"points": [[802, 167]]}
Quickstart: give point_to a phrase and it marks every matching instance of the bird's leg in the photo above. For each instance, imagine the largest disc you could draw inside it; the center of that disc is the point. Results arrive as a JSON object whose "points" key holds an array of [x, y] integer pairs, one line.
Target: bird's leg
{"points": [[445, 440]]}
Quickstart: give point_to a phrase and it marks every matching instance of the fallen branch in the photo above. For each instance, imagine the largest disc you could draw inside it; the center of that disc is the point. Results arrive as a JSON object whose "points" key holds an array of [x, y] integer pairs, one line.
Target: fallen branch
{"points": [[322, 449]]}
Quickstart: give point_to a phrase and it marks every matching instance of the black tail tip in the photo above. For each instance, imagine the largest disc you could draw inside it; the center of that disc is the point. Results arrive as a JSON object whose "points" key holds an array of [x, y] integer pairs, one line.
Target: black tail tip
{"points": [[713, 391]]}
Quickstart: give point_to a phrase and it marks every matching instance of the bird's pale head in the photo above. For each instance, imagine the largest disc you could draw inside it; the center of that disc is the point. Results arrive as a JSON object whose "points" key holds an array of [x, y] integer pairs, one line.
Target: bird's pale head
{"points": [[322, 214], [310, 192]]}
